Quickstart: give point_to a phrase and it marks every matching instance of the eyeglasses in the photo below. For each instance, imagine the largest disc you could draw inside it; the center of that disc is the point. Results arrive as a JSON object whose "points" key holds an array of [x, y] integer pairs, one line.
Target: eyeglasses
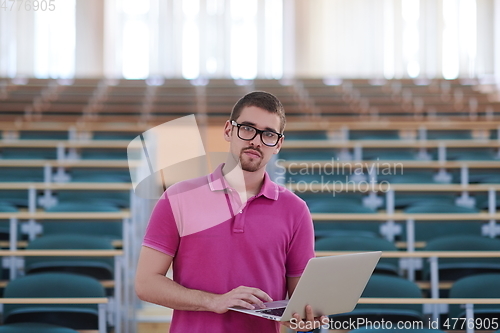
{"points": [[247, 133]]}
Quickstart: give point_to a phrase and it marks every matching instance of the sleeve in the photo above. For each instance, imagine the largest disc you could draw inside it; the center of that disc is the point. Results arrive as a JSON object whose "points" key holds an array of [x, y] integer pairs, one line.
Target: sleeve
{"points": [[162, 233], [301, 247]]}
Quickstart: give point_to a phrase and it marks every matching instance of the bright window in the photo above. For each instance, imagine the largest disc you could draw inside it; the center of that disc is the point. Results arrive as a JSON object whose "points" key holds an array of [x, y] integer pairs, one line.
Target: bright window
{"points": [[468, 34], [135, 50], [190, 39], [450, 47], [244, 39], [274, 39], [411, 13], [135, 42], [55, 41]]}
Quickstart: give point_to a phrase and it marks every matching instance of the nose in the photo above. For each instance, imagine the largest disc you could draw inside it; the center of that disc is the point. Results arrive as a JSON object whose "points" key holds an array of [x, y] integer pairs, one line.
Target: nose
{"points": [[256, 141]]}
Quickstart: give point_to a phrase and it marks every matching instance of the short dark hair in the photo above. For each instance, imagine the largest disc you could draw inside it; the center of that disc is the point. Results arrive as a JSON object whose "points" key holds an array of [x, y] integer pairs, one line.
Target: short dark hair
{"points": [[263, 100]]}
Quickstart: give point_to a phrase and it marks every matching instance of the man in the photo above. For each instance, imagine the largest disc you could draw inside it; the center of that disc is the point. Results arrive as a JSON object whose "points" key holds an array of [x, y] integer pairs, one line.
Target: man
{"points": [[235, 238]]}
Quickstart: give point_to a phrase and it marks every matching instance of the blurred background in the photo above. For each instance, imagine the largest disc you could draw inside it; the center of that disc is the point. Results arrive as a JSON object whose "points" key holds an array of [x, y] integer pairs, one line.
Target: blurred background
{"points": [[250, 39]]}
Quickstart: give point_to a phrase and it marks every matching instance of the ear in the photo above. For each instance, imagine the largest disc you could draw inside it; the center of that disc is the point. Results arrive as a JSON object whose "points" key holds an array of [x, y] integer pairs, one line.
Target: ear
{"points": [[228, 128]]}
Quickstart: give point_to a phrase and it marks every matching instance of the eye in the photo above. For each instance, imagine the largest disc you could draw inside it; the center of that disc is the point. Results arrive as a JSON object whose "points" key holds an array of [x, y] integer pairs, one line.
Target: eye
{"points": [[247, 128], [269, 134]]}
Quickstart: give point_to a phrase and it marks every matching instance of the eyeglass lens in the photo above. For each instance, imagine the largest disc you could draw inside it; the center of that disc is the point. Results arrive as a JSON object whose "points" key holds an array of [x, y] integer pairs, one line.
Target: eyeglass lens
{"points": [[248, 133]]}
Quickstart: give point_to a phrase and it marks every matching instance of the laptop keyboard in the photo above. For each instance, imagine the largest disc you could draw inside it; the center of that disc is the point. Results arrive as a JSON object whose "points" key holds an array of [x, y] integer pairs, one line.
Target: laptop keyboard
{"points": [[274, 312]]}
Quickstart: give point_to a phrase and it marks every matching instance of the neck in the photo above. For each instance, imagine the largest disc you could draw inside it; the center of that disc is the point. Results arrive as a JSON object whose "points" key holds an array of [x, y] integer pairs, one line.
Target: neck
{"points": [[241, 180]]}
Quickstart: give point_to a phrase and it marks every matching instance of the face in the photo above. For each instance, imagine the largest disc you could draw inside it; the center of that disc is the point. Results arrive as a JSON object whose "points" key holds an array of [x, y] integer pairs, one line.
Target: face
{"points": [[253, 155]]}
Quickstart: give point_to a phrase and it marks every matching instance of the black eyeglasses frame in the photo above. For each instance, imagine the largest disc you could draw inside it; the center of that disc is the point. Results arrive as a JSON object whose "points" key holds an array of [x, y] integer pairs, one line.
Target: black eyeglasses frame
{"points": [[257, 131]]}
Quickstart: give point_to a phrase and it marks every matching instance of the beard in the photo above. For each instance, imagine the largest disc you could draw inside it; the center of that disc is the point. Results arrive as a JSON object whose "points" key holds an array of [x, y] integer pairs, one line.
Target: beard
{"points": [[250, 164]]}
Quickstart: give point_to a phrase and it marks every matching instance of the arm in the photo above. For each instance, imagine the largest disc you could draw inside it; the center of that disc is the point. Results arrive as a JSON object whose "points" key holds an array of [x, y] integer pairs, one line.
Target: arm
{"points": [[153, 286], [291, 283]]}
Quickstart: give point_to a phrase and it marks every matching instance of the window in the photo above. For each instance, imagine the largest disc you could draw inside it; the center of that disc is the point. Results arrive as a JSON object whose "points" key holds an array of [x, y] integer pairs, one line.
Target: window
{"points": [[55, 41], [243, 39], [190, 39], [411, 44], [135, 45]]}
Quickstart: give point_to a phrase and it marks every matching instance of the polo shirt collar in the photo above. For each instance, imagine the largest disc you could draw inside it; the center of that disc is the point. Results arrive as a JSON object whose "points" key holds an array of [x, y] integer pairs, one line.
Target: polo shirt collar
{"points": [[269, 188], [217, 182]]}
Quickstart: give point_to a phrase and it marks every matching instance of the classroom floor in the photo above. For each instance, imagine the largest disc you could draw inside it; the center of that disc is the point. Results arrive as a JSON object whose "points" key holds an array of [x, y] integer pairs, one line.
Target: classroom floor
{"points": [[156, 319], [153, 319]]}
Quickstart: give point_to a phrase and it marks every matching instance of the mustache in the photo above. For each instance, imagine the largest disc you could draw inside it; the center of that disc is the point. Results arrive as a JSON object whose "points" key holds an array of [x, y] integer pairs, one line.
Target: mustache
{"points": [[253, 149]]}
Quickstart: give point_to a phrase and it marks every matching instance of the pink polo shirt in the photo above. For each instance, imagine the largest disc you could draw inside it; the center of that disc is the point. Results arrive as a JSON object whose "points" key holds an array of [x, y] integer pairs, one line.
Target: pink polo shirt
{"points": [[219, 244]]}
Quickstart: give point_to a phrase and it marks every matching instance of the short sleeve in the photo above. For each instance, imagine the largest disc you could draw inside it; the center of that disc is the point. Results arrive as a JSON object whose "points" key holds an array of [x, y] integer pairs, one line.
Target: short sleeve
{"points": [[162, 233], [301, 248]]}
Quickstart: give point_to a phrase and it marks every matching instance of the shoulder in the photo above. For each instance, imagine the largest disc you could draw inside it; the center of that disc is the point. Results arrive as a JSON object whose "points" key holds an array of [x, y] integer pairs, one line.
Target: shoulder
{"points": [[289, 198], [187, 185], [182, 193]]}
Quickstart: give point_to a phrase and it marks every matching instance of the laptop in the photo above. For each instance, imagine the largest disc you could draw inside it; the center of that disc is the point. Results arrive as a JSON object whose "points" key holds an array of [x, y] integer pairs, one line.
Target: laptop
{"points": [[331, 285]]}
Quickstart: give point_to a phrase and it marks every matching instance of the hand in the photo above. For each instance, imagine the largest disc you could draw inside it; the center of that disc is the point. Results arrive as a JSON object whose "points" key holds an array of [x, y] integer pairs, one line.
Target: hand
{"points": [[245, 297], [309, 324]]}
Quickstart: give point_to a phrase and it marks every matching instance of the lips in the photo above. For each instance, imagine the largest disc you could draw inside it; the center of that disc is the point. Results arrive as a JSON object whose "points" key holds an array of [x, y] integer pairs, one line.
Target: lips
{"points": [[252, 153]]}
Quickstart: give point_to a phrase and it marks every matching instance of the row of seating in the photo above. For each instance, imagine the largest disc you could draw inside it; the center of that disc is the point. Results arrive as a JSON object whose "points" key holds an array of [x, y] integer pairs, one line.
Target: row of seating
{"points": [[51, 154], [68, 280], [68, 200], [328, 151], [421, 134], [49, 212], [53, 285], [134, 101], [334, 234], [342, 219], [149, 99], [472, 273], [419, 179], [383, 286], [295, 138], [449, 269], [410, 176], [53, 253], [391, 154]]}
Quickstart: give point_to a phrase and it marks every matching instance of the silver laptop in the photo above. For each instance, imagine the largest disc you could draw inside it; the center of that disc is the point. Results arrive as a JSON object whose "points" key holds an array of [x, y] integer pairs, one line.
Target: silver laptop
{"points": [[331, 285]]}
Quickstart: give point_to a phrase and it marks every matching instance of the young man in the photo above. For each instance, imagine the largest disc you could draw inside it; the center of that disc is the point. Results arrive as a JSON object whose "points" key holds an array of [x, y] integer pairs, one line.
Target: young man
{"points": [[235, 238]]}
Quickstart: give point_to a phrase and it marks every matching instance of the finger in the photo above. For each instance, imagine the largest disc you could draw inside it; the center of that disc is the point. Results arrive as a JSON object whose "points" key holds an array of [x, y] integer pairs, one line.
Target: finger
{"points": [[324, 320], [317, 323], [262, 295], [309, 313], [321, 321], [298, 323], [254, 291], [253, 300], [243, 304], [247, 295]]}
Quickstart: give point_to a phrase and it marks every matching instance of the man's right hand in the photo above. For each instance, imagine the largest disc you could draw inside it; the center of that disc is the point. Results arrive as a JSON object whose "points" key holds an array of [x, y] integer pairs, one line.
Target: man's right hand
{"points": [[244, 297]]}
